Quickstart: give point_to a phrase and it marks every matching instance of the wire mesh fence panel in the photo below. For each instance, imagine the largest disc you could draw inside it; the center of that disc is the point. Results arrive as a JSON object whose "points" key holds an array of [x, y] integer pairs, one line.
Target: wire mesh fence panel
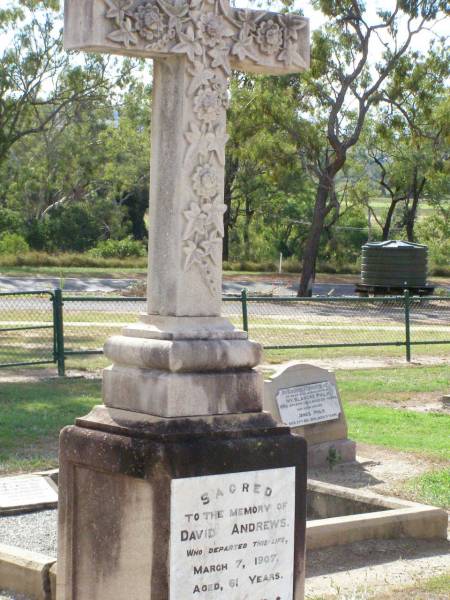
{"points": [[327, 322], [430, 320], [26, 329], [89, 321], [232, 310]]}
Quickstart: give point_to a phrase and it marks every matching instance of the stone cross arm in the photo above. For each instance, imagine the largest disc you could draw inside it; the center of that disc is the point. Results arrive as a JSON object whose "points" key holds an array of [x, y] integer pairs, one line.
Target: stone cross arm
{"points": [[194, 44], [249, 40]]}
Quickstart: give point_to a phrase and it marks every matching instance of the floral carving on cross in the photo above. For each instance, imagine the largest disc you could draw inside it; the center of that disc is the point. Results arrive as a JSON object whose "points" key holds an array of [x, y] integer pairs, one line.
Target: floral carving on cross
{"points": [[214, 37]]}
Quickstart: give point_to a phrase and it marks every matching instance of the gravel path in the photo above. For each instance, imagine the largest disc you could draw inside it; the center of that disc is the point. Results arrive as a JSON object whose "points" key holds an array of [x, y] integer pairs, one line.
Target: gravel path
{"points": [[34, 531]]}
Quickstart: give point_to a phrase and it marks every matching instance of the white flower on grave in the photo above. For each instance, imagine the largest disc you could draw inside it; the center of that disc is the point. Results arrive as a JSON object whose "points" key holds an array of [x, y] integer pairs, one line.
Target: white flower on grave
{"points": [[213, 29], [207, 105], [194, 254], [150, 22], [215, 142], [125, 35], [196, 221], [117, 9], [220, 57], [215, 211], [209, 247], [205, 181], [290, 55], [220, 86], [210, 28], [243, 47], [269, 37], [188, 44]]}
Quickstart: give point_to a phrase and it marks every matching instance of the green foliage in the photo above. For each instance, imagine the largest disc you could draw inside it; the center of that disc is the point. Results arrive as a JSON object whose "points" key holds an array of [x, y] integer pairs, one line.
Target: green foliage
{"points": [[68, 261], [431, 488], [118, 249], [71, 228], [11, 221], [435, 233], [13, 243]]}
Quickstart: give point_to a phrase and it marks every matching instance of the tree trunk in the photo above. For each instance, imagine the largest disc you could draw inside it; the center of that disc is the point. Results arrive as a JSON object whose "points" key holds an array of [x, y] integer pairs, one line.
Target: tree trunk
{"points": [[312, 244], [411, 214], [248, 218], [388, 222], [228, 222]]}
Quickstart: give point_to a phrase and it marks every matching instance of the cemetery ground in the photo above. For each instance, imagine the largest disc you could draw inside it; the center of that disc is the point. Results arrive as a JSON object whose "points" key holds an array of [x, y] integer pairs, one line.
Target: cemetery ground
{"points": [[394, 414]]}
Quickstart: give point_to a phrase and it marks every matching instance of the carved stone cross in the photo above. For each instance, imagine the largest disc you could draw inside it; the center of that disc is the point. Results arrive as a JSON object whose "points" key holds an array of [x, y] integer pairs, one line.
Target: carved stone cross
{"points": [[194, 44]]}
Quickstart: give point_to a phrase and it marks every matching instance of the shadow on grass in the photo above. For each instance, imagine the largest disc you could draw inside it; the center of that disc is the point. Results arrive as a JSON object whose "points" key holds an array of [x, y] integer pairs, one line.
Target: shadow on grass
{"points": [[31, 416]]}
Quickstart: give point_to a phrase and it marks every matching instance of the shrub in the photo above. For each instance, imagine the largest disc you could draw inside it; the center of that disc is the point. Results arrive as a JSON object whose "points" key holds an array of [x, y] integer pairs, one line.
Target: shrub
{"points": [[13, 243], [69, 260], [118, 248]]}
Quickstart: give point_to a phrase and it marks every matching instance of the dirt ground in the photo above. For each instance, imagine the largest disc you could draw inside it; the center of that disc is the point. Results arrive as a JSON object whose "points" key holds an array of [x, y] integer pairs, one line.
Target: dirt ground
{"points": [[380, 470], [343, 573]]}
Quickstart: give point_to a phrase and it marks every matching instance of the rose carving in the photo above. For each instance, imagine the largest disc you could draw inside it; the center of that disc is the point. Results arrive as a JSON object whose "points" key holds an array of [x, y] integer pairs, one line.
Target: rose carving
{"points": [[269, 37], [205, 182], [207, 105], [150, 22]]}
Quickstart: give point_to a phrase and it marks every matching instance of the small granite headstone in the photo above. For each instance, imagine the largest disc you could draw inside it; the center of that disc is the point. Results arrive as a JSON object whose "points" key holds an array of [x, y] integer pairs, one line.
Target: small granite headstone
{"points": [[27, 492], [307, 399]]}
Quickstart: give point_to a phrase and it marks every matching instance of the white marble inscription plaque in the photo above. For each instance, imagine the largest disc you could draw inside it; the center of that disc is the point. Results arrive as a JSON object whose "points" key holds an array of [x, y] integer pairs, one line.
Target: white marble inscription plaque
{"points": [[25, 491], [307, 404], [232, 536]]}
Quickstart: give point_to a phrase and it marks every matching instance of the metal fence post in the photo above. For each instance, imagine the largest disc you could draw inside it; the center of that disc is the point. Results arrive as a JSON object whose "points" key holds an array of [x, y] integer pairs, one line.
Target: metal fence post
{"points": [[244, 310], [407, 299], [58, 323]]}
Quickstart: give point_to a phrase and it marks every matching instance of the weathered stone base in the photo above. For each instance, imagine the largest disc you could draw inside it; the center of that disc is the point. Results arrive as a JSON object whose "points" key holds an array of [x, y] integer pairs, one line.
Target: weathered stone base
{"points": [[165, 394], [327, 454], [116, 469], [176, 376]]}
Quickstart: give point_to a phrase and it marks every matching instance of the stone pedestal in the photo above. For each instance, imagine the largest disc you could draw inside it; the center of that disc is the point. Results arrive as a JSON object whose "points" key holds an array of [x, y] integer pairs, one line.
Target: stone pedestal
{"points": [[119, 513], [177, 366]]}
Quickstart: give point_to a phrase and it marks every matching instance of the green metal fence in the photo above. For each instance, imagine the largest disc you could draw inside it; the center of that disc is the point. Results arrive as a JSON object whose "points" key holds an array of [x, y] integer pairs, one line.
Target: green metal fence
{"points": [[27, 328], [46, 327]]}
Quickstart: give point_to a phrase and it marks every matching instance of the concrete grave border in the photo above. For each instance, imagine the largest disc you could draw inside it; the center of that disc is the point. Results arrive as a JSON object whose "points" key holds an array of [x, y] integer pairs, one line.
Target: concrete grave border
{"points": [[395, 518], [28, 573]]}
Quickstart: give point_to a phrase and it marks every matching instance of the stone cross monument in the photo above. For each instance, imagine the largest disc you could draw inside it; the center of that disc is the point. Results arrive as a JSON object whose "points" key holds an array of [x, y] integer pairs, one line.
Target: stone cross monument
{"points": [[182, 402]]}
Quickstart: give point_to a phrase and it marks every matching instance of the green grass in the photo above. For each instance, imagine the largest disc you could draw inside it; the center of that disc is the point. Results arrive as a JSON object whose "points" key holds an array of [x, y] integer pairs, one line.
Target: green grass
{"points": [[431, 488], [31, 416], [376, 352], [365, 385], [427, 434], [435, 588], [64, 272]]}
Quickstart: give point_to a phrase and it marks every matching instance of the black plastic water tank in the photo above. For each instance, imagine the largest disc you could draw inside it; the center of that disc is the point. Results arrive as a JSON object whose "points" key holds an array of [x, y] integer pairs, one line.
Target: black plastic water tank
{"points": [[394, 264]]}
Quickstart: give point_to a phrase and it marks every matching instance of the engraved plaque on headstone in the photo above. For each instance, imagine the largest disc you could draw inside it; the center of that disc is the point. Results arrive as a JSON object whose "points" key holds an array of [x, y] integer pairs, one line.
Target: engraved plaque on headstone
{"points": [[308, 404], [232, 536], [27, 491]]}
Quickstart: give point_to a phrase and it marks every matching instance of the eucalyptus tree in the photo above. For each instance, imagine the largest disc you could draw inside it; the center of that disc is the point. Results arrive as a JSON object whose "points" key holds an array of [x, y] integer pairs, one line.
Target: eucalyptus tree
{"points": [[40, 83], [343, 85], [410, 139]]}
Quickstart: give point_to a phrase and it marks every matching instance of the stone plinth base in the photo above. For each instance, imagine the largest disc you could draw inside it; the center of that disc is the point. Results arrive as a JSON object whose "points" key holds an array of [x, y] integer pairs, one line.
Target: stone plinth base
{"points": [[170, 368], [329, 454], [117, 470]]}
